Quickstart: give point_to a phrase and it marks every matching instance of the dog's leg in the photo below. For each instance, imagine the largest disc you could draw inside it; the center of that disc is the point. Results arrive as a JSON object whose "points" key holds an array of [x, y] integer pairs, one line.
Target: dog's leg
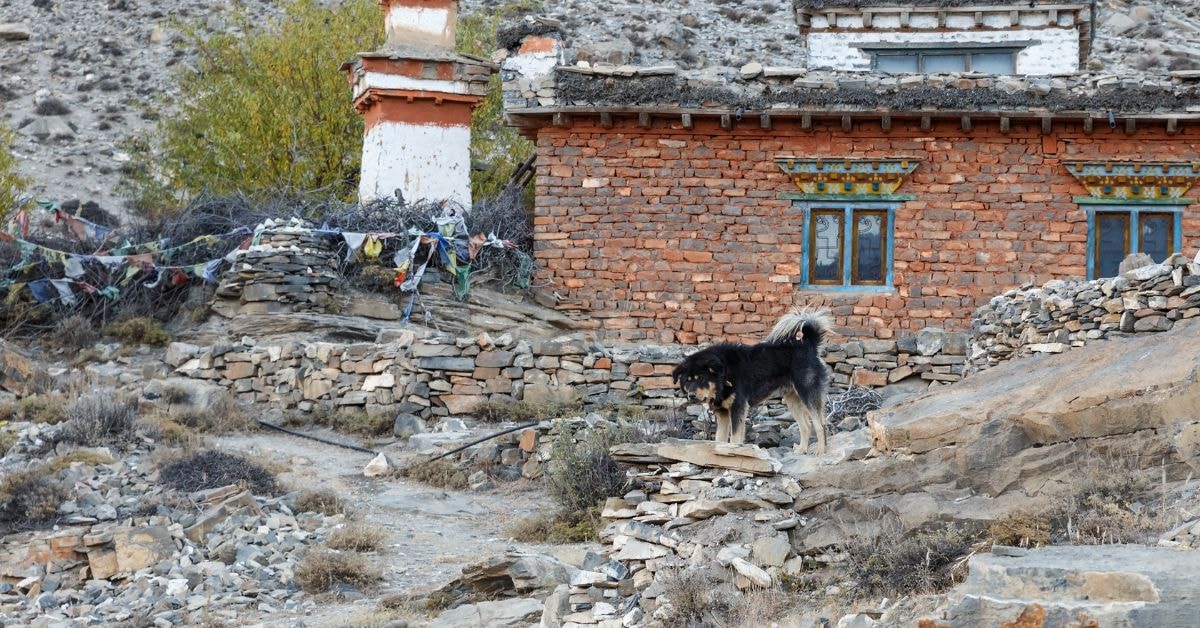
{"points": [[722, 435], [818, 419], [800, 415], [737, 416]]}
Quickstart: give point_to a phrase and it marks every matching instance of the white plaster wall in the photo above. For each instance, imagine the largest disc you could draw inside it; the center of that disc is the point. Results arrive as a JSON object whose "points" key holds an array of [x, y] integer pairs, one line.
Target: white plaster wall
{"points": [[426, 24], [423, 161], [1057, 50]]}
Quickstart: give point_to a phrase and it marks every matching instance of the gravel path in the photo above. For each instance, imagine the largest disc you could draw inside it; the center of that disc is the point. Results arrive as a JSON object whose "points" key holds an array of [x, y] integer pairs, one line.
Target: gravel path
{"points": [[432, 533]]}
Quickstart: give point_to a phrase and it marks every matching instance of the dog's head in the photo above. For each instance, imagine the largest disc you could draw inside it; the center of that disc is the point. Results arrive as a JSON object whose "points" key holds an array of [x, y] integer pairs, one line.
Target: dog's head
{"points": [[701, 377]]}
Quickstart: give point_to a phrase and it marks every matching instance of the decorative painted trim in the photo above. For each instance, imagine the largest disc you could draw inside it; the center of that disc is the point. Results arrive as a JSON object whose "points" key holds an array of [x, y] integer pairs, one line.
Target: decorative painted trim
{"points": [[847, 209], [1169, 202], [868, 198], [843, 178], [1135, 182], [1134, 212]]}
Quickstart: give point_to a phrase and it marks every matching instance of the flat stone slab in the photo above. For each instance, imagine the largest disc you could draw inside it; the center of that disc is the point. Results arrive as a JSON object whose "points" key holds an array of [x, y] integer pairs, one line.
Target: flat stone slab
{"points": [[1115, 585]]}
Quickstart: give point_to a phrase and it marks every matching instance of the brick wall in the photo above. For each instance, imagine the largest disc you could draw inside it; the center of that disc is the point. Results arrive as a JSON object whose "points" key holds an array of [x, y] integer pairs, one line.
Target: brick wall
{"points": [[673, 235]]}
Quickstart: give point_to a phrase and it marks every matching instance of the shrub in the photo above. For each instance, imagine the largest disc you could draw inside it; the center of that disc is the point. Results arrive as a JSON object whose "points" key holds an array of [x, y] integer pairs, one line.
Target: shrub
{"points": [[103, 417], [360, 423], [47, 408], [12, 185], [138, 331], [694, 598], [213, 469], [523, 411], [74, 332], [582, 474], [323, 501], [356, 537], [320, 569], [29, 499], [921, 562]]}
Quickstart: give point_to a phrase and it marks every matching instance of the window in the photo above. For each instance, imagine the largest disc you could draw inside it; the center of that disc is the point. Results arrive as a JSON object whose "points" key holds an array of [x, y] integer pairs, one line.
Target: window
{"points": [[923, 61], [1113, 234], [848, 246]]}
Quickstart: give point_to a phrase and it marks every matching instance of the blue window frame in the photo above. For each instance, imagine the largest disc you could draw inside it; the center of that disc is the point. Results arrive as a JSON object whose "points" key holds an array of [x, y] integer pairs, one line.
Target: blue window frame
{"points": [[1115, 231], [848, 246]]}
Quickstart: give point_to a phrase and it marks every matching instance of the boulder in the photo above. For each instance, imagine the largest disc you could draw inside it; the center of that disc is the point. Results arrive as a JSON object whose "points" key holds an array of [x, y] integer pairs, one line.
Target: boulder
{"points": [[550, 394], [515, 612], [408, 424], [377, 467], [1031, 402], [1112, 585]]}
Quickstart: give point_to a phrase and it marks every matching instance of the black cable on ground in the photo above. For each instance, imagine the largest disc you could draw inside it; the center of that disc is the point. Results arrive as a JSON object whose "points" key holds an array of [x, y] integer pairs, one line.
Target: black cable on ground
{"points": [[317, 438], [477, 441]]}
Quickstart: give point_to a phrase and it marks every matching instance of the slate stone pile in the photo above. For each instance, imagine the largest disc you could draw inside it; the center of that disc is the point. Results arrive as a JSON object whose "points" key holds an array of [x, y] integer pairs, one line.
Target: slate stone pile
{"points": [[128, 550], [289, 268], [1070, 313]]}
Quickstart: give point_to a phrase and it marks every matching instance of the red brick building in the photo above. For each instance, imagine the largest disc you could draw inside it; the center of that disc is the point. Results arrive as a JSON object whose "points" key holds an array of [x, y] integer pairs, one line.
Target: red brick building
{"points": [[672, 210]]}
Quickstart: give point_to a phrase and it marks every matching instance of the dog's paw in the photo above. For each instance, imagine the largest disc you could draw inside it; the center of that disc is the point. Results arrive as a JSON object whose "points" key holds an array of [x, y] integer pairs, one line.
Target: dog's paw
{"points": [[821, 451], [799, 449]]}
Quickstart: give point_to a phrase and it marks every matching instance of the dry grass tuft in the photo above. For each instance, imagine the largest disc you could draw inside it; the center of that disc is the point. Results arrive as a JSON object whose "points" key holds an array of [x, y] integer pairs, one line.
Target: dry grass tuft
{"points": [[1111, 501], [45, 408], [552, 528], [89, 458], [922, 562], [323, 501], [223, 416], [320, 569], [440, 473], [1021, 529], [523, 411], [138, 331], [357, 537], [165, 430]]}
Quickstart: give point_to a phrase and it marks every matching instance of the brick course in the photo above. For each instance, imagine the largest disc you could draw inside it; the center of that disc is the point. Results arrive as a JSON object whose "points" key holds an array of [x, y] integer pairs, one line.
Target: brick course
{"points": [[674, 235]]}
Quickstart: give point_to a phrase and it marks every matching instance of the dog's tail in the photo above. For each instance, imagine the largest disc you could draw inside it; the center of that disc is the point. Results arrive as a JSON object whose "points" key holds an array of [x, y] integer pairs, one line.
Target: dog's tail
{"points": [[810, 325]]}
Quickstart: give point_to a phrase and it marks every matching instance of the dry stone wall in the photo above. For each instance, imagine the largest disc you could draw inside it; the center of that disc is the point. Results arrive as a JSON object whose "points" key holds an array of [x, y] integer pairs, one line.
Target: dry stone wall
{"points": [[442, 375], [1070, 313]]}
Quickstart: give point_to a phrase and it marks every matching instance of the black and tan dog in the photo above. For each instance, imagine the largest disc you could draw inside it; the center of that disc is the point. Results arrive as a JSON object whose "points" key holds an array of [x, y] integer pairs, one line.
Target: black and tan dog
{"points": [[733, 378]]}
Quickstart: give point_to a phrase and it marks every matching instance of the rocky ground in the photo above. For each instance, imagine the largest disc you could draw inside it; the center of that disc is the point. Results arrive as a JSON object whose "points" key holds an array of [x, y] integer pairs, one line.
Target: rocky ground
{"points": [[78, 77]]}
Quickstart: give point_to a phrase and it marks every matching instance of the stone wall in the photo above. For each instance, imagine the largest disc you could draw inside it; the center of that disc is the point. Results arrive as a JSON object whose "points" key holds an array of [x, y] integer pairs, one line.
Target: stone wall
{"points": [[1065, 314], [443, 376], [666, 234]]}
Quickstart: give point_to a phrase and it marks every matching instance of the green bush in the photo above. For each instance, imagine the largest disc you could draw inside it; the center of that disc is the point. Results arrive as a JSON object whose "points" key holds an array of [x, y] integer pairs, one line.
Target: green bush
{"points": [[11, 184], [270, 110], [264, 111]]}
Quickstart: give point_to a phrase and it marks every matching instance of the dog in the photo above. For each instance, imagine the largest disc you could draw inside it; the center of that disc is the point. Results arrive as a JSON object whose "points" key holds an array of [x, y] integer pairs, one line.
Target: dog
{"points": [[732, 378]]}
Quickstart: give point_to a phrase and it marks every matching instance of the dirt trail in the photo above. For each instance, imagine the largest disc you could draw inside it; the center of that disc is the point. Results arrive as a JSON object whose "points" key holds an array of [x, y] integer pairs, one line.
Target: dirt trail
{"points": [[432, 532]]}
